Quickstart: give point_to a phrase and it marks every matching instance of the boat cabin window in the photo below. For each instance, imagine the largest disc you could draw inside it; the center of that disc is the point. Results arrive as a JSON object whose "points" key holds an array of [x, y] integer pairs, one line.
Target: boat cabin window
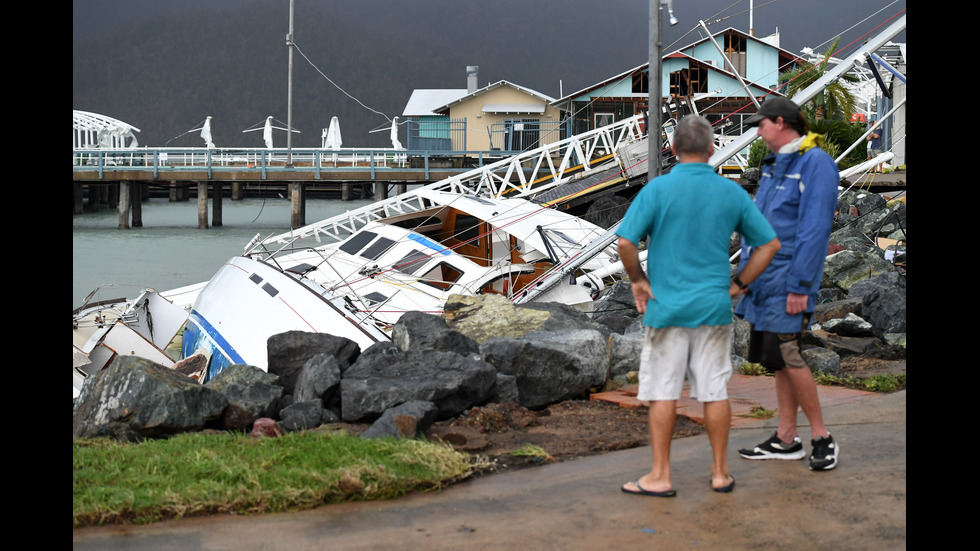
{"points": [[301, 268], [467, 227], [412, 262], [441, 276], [377, 248], [374, 298], [357, 241]]}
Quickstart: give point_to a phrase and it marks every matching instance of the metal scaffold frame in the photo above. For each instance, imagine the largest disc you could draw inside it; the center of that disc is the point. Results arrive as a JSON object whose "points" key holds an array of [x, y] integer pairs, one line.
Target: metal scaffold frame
{"points": [[532, 171]]}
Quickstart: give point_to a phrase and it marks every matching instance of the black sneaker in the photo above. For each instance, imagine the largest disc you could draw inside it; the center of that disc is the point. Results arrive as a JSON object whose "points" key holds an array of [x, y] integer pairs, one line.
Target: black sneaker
{"points": [[774, 448], [824, 456]]}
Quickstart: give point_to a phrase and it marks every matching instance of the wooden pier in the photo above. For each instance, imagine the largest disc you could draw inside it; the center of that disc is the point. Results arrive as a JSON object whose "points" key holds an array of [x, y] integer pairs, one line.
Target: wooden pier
{"points": [[121, 179]]}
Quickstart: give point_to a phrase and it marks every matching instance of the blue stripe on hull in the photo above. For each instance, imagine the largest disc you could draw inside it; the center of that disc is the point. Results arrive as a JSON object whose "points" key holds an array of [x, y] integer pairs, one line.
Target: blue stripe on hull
{"points": [[199, 333]]}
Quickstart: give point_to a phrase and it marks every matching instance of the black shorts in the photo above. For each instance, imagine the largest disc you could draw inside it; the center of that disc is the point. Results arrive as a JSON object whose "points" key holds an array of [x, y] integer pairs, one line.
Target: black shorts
{"points": [[778, 350]]}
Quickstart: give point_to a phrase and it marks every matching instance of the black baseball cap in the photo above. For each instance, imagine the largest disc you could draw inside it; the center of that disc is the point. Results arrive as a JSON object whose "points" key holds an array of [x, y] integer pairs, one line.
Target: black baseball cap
{"points": [[773, 107]]}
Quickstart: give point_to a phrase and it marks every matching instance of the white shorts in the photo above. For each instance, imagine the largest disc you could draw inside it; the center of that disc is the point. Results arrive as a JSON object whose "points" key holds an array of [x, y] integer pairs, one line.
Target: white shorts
{"points": [[700, 352]]}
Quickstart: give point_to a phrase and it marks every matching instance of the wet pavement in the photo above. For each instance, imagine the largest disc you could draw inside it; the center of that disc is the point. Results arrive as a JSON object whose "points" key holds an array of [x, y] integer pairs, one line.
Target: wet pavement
{"points": [[578, 505]]}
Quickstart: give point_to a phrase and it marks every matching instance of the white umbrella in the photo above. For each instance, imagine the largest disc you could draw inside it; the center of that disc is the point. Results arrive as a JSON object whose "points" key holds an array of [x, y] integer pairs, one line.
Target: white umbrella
{"points": [[394, 134], [334, 141], [206, 133], [267, 133]]}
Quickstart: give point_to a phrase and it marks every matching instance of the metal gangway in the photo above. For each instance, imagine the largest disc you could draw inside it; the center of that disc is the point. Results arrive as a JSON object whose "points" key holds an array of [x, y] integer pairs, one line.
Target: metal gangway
{"points": [[529, 172]]}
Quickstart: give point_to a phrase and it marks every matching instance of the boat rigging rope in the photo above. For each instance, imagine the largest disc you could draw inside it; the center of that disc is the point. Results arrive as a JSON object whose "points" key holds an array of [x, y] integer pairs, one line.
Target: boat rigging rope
{"points": [[337, 86]]}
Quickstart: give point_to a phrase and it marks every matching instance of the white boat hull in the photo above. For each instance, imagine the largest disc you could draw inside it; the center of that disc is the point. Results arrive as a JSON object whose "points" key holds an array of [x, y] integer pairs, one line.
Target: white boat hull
{"points": [[248, 301]]}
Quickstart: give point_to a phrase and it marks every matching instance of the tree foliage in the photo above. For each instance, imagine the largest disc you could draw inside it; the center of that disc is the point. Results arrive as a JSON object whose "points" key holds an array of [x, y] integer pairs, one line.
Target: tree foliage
{"points": [[833, 102]]}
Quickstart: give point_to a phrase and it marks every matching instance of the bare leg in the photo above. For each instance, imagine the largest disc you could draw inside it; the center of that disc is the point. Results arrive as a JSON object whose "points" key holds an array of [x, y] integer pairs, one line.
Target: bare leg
{"points": [[805, 394], [718, 418], [788, 406], [662, 417]]}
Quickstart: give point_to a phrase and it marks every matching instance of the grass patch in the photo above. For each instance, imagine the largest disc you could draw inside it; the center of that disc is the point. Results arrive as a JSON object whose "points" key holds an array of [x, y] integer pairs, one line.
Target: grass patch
{"points": [[754, 369], [530, 450], [759, 412], [197, 474], [876, 383]]}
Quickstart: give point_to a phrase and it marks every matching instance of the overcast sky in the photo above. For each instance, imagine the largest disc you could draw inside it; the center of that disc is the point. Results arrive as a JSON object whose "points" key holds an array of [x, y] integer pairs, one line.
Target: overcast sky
{"points": [[542, 44]]}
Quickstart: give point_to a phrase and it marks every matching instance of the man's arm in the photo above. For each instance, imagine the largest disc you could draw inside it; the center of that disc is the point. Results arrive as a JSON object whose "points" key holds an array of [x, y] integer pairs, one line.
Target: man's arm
{"points": [[818, 203], [630, 256], [760, 259]]}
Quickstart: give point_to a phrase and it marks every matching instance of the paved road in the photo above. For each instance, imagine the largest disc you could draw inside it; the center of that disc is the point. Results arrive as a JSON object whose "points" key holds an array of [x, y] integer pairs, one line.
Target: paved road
{"points": [[578, 505]]}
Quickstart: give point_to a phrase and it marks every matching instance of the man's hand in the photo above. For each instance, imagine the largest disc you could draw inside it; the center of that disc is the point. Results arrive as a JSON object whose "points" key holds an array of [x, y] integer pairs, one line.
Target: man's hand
{"points": [[734, 290], [795, 303], [642, 293]]}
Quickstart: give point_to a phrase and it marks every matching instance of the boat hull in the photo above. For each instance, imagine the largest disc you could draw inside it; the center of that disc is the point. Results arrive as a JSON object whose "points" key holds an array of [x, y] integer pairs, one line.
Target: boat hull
{"points": [[248, 301]]}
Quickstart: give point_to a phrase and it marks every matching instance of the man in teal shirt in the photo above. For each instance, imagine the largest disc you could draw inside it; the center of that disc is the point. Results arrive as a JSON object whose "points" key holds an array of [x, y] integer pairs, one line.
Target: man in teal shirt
{"points": [[688, 217]]}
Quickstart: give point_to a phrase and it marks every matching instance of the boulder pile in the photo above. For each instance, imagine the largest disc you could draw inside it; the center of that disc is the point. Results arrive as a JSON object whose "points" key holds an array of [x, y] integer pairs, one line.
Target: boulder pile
{"points": [[484, 349]]}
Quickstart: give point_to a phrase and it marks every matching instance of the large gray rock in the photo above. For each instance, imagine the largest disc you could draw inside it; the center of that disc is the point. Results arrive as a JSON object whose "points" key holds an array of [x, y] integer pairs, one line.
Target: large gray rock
{"points": [[135, 398], [418, 330], [380, 380], [851, 238], [822, 359], [607, 210], [486, 316], [505, 390], [318, 380], [407, 420], [289, 351], [850, 325], [256, 392], [845, 268], [843, 346], [885, 221], [884, 302], [302, 416], [624, 354], [550, 366], [617, 298], [837, 309]]}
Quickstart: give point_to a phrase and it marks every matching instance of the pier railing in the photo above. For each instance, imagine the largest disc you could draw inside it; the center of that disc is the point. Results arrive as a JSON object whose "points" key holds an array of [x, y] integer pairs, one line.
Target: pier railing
{"points": [[148, 163]]}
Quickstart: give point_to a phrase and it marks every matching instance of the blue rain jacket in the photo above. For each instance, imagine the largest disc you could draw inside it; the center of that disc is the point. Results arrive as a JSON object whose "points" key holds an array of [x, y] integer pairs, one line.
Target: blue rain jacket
{"points": [[798, 196]]}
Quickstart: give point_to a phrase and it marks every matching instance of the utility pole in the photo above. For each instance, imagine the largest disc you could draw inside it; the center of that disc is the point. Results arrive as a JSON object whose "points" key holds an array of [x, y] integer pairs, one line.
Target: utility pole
{"points": [[298, 189], [654, 120]]}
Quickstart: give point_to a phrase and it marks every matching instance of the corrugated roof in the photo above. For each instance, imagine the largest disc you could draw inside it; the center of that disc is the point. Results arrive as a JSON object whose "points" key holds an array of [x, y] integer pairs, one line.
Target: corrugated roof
{"points": [[424, 102], [485, 89]]}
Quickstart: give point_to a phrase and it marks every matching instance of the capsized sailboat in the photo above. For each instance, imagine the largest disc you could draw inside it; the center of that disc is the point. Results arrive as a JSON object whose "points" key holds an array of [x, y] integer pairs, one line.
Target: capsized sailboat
{"points": [[360, 286]]}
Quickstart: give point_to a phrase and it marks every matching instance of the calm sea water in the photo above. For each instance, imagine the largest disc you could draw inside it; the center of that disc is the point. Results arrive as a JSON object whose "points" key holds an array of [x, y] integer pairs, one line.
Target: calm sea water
{"points": [[169, 251]]}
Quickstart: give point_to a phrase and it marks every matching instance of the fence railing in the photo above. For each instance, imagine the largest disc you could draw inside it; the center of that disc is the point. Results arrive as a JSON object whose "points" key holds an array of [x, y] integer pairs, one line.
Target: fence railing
{"points": [[269, 162], [444, 135]]}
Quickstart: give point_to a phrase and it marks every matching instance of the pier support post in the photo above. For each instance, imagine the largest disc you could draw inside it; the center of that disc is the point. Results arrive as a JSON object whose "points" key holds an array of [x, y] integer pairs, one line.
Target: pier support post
{"points": [[237, 191], [345, 192], [94, 198], [216, 190], [202, 205], [136, 193], [123, 206], [401, 188], [380, 191], [77, 202], [297, 213]]}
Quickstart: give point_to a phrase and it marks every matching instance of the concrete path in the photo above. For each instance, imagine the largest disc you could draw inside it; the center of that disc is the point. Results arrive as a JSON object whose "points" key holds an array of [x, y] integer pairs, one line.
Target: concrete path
{"points": [[578, 504]]}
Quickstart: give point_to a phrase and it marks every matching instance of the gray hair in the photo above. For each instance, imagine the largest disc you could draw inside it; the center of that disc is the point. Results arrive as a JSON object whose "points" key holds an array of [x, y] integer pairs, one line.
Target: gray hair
{"points": [[693, 136]]}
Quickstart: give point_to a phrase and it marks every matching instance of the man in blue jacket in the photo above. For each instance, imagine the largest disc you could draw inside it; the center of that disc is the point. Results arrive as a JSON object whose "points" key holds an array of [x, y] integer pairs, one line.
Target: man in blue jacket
{"points": [[798, 196], [688, 217]]}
